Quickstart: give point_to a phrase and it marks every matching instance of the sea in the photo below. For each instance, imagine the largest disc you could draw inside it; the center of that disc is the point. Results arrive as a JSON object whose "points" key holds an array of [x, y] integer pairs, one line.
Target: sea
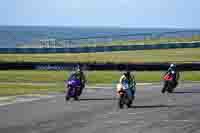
{"points": [[11, 36]]}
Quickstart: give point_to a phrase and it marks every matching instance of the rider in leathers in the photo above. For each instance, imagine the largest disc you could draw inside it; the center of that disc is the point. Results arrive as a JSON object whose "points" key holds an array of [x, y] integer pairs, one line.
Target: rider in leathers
{"points": [[80, 75], [173, 71]]}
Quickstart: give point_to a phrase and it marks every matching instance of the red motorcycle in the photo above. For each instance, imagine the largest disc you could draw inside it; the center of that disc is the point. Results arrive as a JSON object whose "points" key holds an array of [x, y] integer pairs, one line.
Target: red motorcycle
{"points": [[169, 83]]}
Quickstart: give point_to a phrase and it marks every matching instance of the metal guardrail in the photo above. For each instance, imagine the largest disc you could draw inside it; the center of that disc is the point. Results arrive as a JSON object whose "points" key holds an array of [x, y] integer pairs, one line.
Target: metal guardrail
{"points": [[98, 66], [100, 48]]}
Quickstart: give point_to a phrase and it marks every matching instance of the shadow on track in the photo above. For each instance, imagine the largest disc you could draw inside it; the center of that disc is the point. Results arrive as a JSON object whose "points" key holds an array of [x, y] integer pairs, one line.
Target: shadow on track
{"points": [[164, 106], [186, 92], [96, 99], [152, 106]]}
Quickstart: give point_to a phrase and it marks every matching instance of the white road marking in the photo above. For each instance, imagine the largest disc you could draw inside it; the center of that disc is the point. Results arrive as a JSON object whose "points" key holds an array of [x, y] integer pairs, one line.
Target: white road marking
{"points": [[144, 83], [116, 122], [136, 113], [114, 86], [130, 113], [53, 101], [4, 104], [180, 120], [23, 100], [112, 113], [179, 127], [140, 126], [5, 98]]}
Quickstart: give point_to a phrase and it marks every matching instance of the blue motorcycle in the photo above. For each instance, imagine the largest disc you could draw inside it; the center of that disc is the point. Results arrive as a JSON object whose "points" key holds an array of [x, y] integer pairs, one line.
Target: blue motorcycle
{"points": [[73, 89]]}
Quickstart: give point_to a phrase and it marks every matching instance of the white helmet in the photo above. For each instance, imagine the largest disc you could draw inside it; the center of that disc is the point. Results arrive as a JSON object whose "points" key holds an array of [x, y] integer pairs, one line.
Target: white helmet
{"points": [[172, 65]]}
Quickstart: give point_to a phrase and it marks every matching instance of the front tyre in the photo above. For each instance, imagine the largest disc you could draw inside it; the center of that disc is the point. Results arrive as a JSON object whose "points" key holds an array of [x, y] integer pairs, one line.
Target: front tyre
{"points": [[170, 87], [129, 104], [76, 98], [163, 90], [165, 87], [67, 98], [121, 102]]}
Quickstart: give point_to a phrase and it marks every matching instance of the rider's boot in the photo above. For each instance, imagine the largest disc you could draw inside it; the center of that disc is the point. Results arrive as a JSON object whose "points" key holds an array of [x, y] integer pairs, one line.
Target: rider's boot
{"points": [[133, 94]]}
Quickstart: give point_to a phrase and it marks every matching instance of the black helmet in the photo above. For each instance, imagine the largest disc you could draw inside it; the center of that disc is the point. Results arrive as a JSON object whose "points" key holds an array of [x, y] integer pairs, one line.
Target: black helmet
{"points": [[78, 68], [127, 73]]}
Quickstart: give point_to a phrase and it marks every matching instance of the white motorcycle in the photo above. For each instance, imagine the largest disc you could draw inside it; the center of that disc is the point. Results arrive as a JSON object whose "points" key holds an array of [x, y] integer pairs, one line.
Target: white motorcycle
{"points": [[126, 96]]}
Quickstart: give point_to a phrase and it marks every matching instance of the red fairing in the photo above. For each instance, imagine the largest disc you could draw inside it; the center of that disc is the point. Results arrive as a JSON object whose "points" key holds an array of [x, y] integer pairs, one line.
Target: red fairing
{"points": [[168, 77]]}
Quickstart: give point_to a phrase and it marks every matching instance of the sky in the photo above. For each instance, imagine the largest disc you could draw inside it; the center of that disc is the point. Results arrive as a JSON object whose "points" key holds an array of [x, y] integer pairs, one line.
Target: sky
{"points": [[115, 13]]}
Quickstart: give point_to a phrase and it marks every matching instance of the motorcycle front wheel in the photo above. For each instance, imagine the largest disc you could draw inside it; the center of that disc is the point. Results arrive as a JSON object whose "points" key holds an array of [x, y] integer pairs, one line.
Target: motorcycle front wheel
{"points": [[121, 102], [170, 87], [67, 98]]}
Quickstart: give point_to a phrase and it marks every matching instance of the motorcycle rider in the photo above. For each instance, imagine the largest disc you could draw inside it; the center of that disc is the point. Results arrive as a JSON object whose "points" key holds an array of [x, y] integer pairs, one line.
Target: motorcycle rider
{"points": [[80, 76], [172, 70], [126, 77]]}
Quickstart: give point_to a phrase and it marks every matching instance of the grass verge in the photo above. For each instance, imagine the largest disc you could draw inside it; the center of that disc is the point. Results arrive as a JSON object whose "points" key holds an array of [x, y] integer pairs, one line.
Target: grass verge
{"points": [[143, 41], [162, 40], [13, 82], [20, 89], [169, 55]]}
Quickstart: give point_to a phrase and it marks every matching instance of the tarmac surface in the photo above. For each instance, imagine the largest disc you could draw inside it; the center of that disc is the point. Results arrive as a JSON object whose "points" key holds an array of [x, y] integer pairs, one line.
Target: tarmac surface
{"points": [[98, 112]]}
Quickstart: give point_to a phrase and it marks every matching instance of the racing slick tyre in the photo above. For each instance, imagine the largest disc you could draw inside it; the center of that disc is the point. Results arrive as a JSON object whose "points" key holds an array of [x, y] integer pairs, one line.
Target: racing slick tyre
{"points": [[67, 98], [129, 104], [163, 90], [121, 102], [170, 87], [76, 98]]}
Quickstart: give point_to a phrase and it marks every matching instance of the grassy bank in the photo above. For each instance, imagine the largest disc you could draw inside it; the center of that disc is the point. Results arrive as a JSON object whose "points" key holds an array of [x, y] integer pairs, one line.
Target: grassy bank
{"points": [[146, 41], [16, 82], [170, 55], [143, 41]]}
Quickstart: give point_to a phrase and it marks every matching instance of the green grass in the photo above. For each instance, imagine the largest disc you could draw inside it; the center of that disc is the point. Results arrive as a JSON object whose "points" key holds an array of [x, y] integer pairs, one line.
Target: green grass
{"points": [[145, 41], [20, 89], [162, 40], [33, 76], [18, 80], [170, 55]]}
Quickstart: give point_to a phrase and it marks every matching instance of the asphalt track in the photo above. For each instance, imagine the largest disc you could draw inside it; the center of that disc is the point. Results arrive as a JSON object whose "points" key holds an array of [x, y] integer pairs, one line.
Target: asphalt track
{"points": [[97, 112]]}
